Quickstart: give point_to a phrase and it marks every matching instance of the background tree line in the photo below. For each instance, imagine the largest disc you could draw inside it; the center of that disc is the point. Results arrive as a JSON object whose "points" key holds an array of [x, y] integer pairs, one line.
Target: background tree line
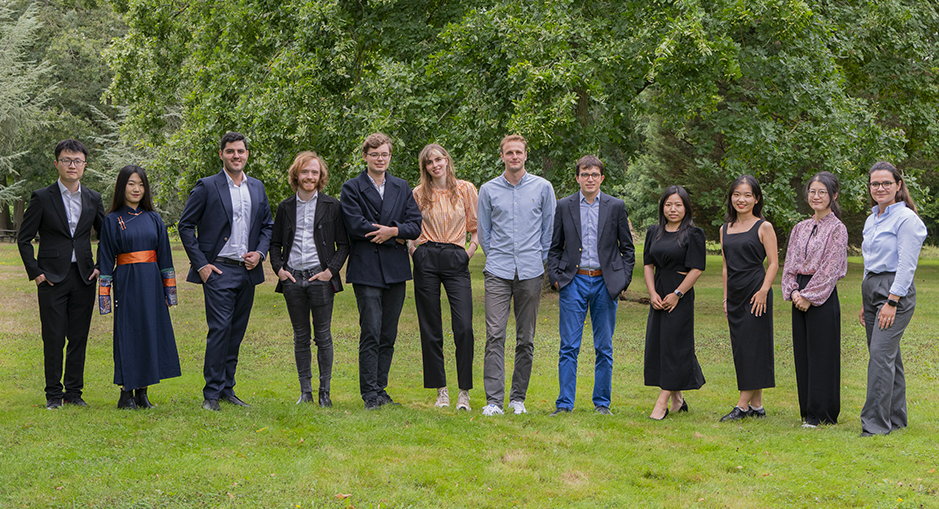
{"points": [[684, 91]]}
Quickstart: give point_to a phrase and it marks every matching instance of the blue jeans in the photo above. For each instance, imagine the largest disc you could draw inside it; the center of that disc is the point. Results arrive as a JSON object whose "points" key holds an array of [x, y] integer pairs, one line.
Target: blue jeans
{"points": [[581, 293]]}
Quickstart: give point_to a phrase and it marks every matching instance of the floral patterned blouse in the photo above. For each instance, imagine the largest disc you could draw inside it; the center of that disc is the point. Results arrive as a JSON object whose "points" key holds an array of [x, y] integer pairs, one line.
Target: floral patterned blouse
{"points": [[819, 249]]}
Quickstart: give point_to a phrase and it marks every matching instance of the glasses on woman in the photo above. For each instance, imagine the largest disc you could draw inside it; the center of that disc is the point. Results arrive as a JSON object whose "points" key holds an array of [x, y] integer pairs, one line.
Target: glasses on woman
{"points": [[882, 185]]}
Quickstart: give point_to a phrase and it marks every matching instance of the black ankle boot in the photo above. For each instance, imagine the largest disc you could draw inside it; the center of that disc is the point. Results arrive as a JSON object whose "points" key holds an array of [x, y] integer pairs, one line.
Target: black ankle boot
{"points": [[325, 402], [140, 397], [127, 401]]}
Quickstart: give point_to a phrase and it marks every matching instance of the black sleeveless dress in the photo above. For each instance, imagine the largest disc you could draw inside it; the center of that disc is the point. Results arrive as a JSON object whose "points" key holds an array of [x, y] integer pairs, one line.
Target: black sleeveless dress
{"points": [[751, 336]]}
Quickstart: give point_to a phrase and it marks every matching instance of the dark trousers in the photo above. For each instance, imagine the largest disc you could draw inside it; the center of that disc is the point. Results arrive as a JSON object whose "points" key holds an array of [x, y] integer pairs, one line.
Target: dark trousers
{"points": [[447, 264], [379, 310], [228, 300], [65, 313], [305, 299], [816, 345]]}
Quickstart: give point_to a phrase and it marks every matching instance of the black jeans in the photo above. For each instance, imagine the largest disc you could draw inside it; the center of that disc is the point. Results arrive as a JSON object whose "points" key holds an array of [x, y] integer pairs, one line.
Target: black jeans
{"points": [[305, 298], [379, 310], [436, 264]]}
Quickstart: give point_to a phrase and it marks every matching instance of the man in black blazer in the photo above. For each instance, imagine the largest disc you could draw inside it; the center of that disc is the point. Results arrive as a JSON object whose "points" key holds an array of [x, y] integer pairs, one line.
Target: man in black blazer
{"points": [[63, 215], [380, 214], [308, 247], [591, 262], [226, 230]]}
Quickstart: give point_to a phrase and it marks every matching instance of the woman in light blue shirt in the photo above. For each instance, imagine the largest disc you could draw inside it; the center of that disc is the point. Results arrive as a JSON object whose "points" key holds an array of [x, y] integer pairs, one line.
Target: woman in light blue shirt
{"points": [[893, 236]]}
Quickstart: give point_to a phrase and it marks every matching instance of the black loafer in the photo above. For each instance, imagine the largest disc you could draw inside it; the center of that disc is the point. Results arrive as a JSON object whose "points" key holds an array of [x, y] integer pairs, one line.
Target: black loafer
{"points": [[735, 415], [74, 400], [372, 404], [235, 401], [211, 404], [385, 399], [305, 397], [560, 411], [53, 404]]}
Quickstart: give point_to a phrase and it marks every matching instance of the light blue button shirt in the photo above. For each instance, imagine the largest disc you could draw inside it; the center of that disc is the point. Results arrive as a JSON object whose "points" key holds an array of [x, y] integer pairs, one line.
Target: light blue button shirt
{"points": [[589, 222], [303, 253], [892, 243], [515, 225], [237, 244]]}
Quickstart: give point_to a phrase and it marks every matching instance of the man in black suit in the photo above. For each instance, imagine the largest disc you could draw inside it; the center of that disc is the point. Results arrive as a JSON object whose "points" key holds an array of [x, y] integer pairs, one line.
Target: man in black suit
{"points": [[591, 262], [380, 213], [63, 215], [231, 215]]}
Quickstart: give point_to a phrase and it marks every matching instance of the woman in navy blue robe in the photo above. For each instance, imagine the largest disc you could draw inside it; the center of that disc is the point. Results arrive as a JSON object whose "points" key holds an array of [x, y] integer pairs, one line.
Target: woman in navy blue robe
{"points": [[136, 263]]}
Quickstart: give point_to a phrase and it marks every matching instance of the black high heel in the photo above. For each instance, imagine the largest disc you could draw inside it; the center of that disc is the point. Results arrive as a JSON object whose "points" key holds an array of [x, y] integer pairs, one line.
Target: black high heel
{"points": [[684, 406], [663, 417]]}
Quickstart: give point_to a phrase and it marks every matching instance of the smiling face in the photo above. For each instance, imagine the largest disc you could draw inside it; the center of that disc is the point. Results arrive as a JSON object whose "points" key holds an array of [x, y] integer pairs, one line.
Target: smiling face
{"points": [[309, 177], [883, 188], [378, 159], [819, 199], [436, 166], [674, 210], [234, 157], [590, 179], [743, 199], [134, 191], [73, 167]]}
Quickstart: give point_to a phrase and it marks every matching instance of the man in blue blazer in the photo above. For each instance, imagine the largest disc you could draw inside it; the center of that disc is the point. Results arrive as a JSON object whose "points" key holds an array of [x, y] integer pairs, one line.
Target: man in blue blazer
{"points": [[591, 262], [65, 271], [226, 230], [380, 213]]}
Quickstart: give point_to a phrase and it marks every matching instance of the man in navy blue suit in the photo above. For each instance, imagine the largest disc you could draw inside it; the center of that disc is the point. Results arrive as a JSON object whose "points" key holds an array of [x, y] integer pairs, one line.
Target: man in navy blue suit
{"points": [[230, 212], [380, 213]]}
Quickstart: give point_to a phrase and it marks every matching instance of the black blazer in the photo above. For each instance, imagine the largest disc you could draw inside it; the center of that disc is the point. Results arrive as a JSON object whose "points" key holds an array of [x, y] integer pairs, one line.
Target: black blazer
{"points": [[46, 216], [614, 243], [379, 264], [329, 234], [209, 211]]}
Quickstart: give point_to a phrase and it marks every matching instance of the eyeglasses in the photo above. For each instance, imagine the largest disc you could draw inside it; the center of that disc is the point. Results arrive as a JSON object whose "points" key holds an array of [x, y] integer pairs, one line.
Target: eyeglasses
{"points": [[882, 185], [71, 162], [376, 155], [820, 192], [589, 176]]}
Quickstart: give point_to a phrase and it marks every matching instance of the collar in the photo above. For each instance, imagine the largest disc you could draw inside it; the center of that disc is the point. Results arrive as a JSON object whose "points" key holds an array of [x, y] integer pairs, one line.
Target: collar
{"points": [[897, 205], [583, 199], [312, 198], [231, 181], [63, 189]]}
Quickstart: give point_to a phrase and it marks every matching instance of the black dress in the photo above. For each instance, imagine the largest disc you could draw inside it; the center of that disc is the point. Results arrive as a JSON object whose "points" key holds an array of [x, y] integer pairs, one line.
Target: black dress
{"points": [[670, 362], [751, 336]]}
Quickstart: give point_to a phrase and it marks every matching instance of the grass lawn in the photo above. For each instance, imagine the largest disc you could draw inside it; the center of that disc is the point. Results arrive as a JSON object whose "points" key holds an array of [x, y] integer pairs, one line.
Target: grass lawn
{"points": [[276, 454]]}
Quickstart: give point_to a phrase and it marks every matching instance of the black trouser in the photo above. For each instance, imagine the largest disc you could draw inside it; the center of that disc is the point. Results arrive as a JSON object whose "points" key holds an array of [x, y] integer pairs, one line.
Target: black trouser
{"points": [[447, 264], [65, 312], [379, 310], [305, 298], [816, 345]]}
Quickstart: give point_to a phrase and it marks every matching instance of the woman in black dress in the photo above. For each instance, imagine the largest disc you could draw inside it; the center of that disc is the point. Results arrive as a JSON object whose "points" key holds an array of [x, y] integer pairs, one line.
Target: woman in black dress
{"points": [[746, 240], [673, 259]]}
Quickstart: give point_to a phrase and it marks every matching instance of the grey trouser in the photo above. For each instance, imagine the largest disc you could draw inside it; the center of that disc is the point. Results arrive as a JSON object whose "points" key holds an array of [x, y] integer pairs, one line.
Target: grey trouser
{"points": [[499, 296], [885, 407]]}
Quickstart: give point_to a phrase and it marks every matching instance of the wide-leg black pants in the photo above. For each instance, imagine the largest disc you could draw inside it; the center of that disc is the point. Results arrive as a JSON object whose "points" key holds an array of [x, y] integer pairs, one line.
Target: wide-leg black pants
{"points": [[816, 345]]}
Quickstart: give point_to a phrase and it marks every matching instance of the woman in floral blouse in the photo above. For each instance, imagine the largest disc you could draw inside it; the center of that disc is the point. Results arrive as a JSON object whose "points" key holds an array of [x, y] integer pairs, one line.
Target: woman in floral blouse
{"points": [[815, 260]]}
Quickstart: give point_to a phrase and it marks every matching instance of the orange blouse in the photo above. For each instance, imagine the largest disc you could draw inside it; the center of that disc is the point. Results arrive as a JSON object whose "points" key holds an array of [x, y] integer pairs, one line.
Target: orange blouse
{"points": [[445, 221]]}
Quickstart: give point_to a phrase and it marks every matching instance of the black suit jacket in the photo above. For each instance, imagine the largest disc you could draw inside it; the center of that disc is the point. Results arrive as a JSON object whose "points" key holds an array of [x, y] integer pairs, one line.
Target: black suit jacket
{"points": [[209, 211], [379, 264], [329, 234], [46, 216], [614, 243]]}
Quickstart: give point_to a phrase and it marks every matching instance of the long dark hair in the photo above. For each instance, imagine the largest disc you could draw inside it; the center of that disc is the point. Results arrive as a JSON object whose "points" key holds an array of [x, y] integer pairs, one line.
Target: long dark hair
{"points": [[118, 200], [903, 194], [686, 222], [731, 216], [830, 182]]}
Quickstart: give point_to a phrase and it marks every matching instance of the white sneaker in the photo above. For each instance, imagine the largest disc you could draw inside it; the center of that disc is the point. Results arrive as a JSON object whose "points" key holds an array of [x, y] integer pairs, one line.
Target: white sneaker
{"points": [[490, 410], [462, 401], [443, 398], [808, 426], [518, 407]]}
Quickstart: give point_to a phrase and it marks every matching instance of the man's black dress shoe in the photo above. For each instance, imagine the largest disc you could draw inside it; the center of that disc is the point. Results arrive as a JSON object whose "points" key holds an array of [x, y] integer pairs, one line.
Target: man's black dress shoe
{"points": [[211, 404], [735, 415], [372, 404], [305, 397], [140, 397], [325, 402], [235, 401], [603, 410], [385, 399], [53, 404], [558, 411], [74, 400], [126, 402]]}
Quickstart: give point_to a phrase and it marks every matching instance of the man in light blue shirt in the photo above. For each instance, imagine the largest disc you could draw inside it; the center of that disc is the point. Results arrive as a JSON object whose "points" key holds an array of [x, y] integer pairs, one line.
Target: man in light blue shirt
{"points": [[515, 220]]}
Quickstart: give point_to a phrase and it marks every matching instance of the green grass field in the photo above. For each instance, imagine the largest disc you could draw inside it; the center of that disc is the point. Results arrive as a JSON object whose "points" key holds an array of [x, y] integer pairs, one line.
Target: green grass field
{"points": [[276, 454]]}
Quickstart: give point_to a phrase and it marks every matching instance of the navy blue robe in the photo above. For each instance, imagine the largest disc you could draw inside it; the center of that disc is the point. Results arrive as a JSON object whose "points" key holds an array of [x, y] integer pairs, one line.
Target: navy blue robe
{"points": [[144, 344]]}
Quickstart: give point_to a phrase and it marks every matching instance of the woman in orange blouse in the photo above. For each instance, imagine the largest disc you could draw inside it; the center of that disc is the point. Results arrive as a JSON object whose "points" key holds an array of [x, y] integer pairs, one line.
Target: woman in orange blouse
{"points": [[440, 256]]}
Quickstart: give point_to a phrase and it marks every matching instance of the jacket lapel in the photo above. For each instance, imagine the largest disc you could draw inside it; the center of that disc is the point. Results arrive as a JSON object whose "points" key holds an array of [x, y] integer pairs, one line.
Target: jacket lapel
{"points": [[575, 218], [371, 193], [58, 205], [601, 216], [388, 204], [221, 185]]}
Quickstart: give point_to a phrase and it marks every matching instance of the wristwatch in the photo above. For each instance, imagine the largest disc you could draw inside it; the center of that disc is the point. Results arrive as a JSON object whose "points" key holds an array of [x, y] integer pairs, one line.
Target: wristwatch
{"points": [[679, 294], [892, 303]]}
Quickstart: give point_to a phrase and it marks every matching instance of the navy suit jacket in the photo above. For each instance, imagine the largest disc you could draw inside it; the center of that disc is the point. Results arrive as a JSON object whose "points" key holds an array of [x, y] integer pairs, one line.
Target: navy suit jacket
{"points": [[329, 235], [46, 216], [205, 225], [614, 243], [379, 264]]}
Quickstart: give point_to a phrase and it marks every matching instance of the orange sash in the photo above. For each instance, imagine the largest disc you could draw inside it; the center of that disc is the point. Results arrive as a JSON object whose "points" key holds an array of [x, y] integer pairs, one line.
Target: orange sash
{"points": [[137, 257]]}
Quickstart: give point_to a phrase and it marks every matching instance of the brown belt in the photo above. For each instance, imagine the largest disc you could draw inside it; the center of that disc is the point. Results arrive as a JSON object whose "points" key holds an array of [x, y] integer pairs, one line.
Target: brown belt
{"points": [[137, 257], [585, 272]]}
